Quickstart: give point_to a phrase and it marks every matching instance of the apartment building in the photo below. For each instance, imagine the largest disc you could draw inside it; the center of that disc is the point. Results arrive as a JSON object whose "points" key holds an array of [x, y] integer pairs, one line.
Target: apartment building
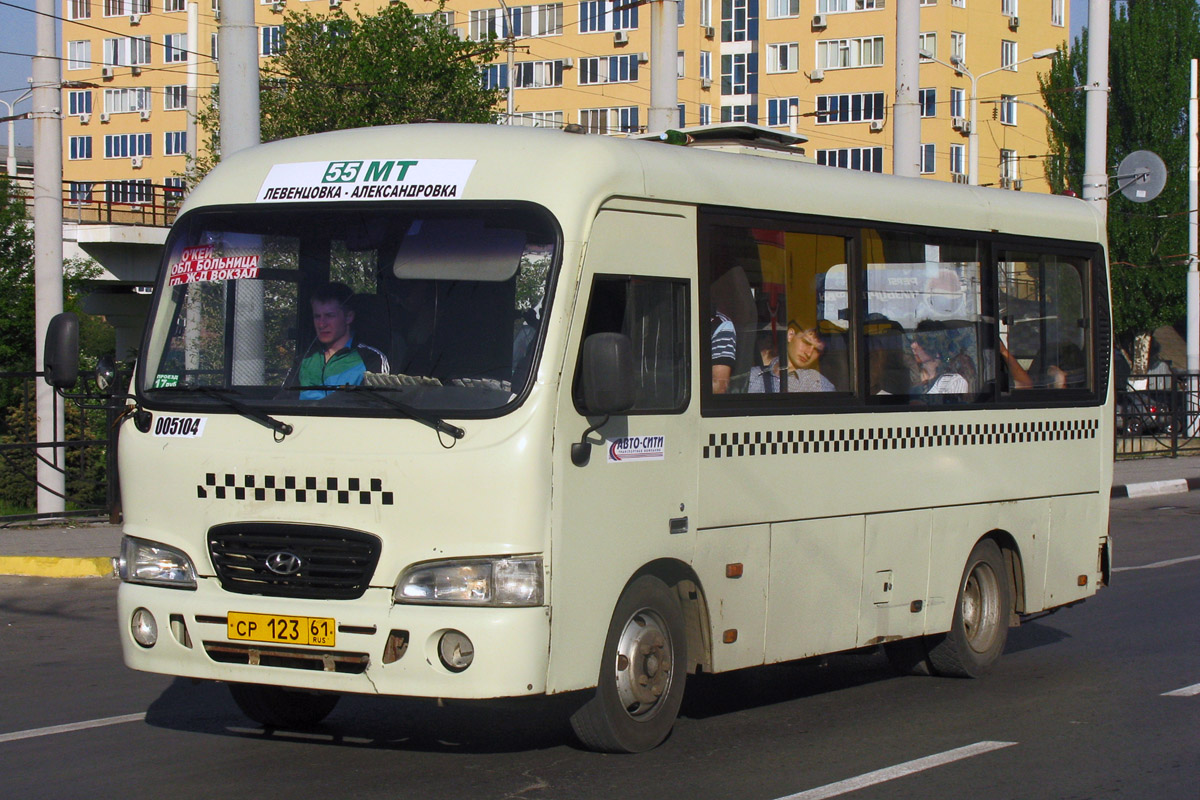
{"points": [[824, 68]]}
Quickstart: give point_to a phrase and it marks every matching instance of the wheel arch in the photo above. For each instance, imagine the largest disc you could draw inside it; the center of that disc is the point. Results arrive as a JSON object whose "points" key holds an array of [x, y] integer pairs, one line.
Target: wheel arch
{"points": [[1014, 566], [683, 581]]}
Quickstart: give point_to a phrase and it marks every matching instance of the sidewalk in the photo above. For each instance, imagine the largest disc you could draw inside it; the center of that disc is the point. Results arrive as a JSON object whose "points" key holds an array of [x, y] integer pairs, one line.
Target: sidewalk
{"points": [[85, 548]]}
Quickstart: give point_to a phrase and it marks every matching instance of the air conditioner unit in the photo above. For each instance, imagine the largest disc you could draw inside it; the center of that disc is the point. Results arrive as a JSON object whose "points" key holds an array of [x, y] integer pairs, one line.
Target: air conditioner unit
{"points": [[145, 114], [959, 177], [458, 33], [706, 83], [104, 116], [1014, 22], [817, 75], [135, 162], [643, 58], [876, 125], [135, 71], [335, 3], [106, 72], [959, 124], [709, 31], [818, 22], [1005, 183], [84, 119], [277, 6], [620, 38], [135, 19], [1017, 183], [568, 63], [217, 15]]}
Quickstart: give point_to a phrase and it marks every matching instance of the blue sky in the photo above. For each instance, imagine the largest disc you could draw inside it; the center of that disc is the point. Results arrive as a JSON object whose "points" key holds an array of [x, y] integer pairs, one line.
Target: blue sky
{"points": [[18, 27]]}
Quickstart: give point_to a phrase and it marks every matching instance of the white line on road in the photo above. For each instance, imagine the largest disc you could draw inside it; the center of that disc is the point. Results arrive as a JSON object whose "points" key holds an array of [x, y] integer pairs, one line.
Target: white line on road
{"points": [[1159, 564], [1187, 691], [71, 726], [898, 771]]}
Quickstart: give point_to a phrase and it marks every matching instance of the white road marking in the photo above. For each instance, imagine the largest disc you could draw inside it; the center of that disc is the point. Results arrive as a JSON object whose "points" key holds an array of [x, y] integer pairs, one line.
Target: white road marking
{"points": [[1159, 564], [1187, 691], [898, 771], [71, 726], [1151, 488]]}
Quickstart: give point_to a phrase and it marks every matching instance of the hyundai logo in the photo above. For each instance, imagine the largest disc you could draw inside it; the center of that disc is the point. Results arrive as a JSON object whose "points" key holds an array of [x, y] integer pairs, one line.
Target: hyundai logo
{"points": [[283, 563]]}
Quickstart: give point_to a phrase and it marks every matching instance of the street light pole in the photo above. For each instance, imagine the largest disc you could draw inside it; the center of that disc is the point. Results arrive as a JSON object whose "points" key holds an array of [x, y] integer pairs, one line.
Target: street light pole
{"points": [[510, 47], [10, 165]]}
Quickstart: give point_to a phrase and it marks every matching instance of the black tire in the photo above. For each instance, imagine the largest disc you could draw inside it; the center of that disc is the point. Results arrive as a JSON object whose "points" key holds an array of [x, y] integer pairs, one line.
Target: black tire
{"points": [[981, 616], [642, 673], [276, 707]]}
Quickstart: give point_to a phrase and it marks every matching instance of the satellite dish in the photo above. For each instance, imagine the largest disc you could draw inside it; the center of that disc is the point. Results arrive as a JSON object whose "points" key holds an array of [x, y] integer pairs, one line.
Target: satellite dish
{"points": [[1141, 176]]}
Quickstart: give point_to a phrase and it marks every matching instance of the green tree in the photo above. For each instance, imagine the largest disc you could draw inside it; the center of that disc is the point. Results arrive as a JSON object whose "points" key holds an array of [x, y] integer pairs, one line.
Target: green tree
{"points": [[1150, 45], [389, 68]]}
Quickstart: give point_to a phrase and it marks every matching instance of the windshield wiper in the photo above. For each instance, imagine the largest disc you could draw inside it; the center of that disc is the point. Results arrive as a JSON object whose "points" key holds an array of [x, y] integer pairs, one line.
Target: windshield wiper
{"points": [[425, 418], [259, 416]]}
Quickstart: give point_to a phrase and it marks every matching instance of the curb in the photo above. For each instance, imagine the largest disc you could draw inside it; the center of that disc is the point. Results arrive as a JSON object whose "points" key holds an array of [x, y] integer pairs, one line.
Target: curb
{"points": [[1176, 486], [56, 567]]}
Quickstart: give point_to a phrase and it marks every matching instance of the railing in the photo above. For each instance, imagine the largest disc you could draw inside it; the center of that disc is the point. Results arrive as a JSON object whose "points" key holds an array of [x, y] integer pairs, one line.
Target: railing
{"points": [[112, 202], [88, 464], [1158, 415]]}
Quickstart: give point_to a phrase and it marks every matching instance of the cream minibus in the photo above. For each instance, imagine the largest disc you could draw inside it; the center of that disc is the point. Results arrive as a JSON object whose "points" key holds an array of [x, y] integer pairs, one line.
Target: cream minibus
{"points": [[482, 412]]}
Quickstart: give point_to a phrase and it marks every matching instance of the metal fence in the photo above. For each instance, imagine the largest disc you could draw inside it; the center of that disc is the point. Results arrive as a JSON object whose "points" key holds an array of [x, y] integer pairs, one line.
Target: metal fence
{"points": [[1159, 415], [89, 455], [126, 202]]}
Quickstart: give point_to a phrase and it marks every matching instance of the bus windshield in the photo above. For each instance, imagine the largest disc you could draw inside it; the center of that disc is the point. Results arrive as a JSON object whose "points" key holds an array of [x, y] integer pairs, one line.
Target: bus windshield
{"points": [[438, 308]]}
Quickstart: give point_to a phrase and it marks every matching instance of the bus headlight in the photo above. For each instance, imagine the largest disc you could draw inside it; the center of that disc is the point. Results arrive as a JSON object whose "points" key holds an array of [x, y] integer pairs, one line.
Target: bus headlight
{"points": [[473, 582], [154, 564]]}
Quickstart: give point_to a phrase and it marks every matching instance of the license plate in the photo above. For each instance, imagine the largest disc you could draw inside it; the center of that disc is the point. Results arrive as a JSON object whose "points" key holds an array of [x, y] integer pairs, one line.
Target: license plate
{"points": [[280, 629]]}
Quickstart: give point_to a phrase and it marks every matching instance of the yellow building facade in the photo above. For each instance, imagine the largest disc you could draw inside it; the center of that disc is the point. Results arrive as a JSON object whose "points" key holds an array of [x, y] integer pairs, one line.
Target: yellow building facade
{"points": [[823, 68]]}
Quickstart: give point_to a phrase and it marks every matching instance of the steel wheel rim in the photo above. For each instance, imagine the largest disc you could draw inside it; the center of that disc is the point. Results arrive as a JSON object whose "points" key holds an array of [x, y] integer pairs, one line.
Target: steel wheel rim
{"points": [[644, 668], [981, 607]]}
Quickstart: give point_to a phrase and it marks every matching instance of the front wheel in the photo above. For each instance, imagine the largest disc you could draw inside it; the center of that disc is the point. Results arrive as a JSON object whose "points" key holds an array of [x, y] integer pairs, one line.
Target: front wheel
{"points": [[980, 627], [276, 707], [642, 673]]}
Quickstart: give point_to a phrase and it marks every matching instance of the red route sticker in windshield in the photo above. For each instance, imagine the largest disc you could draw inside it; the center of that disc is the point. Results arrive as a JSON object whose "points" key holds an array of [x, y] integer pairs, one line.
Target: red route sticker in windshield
{"points": [[199, 264]]}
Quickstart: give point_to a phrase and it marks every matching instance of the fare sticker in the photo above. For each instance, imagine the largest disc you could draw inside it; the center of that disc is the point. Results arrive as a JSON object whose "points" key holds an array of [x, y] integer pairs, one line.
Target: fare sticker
{"points": [[367, 179]]}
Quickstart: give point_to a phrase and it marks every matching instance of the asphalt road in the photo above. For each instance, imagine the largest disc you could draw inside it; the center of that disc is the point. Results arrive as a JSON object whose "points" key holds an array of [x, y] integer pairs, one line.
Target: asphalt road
{"points": [[1077, 708]]}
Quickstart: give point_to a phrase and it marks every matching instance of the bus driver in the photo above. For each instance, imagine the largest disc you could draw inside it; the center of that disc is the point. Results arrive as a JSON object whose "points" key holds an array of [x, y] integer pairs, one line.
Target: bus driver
{"points": [[335, 359]]}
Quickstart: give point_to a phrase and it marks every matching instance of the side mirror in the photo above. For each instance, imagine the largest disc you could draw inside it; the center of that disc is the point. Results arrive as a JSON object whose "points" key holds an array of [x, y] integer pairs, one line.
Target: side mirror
{"points": [[106, 374], [607, 373], [60, 358]]}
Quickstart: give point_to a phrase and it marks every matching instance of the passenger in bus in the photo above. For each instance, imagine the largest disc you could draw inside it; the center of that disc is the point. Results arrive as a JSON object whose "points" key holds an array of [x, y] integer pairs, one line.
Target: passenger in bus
{"points": [[335, 358], [804, 348], [941, 365], [724, 351], [1018, 375], [1071, 371]]}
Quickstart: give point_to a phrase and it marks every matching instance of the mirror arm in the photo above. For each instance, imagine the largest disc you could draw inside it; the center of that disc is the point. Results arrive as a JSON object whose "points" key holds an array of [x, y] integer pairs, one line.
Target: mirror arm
{"points": [[581, 451]]}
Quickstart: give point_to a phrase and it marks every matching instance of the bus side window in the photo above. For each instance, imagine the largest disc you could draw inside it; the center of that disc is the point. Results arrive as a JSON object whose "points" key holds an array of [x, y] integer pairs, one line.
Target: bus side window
{"points": [[653, 313], [1044, 328]]}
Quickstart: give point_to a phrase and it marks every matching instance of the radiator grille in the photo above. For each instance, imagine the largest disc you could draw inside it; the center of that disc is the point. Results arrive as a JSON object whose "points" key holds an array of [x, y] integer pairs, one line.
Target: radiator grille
{"points": [[317, 562]]}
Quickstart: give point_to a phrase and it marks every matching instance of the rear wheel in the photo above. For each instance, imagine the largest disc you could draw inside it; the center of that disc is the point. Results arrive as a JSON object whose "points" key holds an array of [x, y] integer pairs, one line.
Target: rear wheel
{"points": [[642, 673], [980, 627], [276, 707]]}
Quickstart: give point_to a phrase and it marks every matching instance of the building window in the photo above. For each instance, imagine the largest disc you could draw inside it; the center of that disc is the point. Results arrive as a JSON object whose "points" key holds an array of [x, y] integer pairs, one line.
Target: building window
{"points": [[739, 74], [271, 40], [783, 57], [705, 114], [538, 119], [928, 160], [175, 143], [740, 113], [841, 6], [212, 47], [80, 148], [1008, 109], [79, 54], [608, 69], [597, 16], [172, 6], [680, 64], [861, 107], [79, 9], [81, 191], [958, 45], [126, 145], [125, 101], [849, 53], [779, 110], [959, 3], [705, 65], [495, 76], [79, 101], [957, 159], [538, 74], [957, 102], [1008, 55], [1009, 170], [175, 48], [115, 8], [782, 9], [129, 192], [705, 13], [527, 21], [928, 43], [175, 97], [866, 159], [127, 51], [739, 20], [1008, 8], [609, 120], [927, 100], [1057, 13], [928, 2], [139, 6]]}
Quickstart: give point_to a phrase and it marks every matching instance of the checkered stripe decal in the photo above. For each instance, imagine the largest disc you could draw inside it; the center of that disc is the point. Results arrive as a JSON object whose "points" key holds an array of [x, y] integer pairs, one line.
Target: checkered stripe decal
{"points": [[297, 490], [899, 437]]}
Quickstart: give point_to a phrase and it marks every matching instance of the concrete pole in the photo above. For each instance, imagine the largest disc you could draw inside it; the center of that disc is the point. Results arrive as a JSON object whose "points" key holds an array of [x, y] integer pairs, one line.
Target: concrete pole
{"points": [[48, 249], [240, 129], [1095, 151], [10, 162], [1193, 277], [906, 114], [664, 73], [193, 83], [973, 134]]}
